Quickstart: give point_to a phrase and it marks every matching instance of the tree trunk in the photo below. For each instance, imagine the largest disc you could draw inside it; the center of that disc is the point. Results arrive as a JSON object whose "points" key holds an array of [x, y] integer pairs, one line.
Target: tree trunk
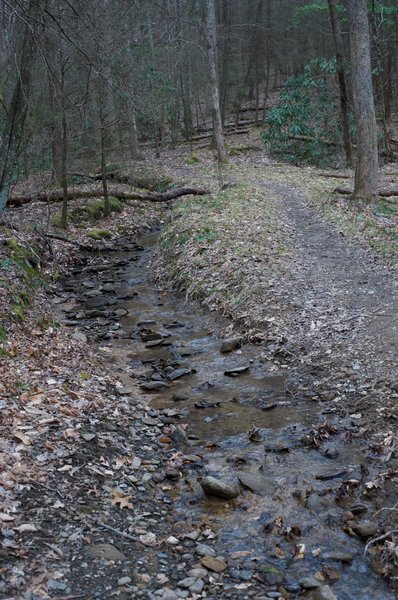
{"points": [[17, 110], [366, 174], [344, 104], [215, 94]]}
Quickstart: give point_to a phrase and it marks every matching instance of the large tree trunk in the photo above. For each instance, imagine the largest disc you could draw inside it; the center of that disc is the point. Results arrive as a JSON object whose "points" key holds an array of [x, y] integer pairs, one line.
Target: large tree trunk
{"points": [[344, 104], [215, 93], [366, 174]]}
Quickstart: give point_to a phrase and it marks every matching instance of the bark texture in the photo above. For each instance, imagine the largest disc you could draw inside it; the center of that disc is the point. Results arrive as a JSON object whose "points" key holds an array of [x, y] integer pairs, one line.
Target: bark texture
{"points": [[366, 174], [215, 93]]}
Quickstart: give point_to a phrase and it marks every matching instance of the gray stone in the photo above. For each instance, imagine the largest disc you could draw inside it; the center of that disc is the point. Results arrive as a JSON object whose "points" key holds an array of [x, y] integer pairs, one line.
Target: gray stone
{"points": [[178, 373], [237, 371], [317, 502], [154, 386], [230, 344], [186, 583], [219, 488], [199, 573], [322, 593], [254, 482], [344, 557], [124, 580], [331, 474], [169, 594], [179, 435], [205, 550], [197, 587], [106, 552], [79, 336], [364, 529], [310, 583]]}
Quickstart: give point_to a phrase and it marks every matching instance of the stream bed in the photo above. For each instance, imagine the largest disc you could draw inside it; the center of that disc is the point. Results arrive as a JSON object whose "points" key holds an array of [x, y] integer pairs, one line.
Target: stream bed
{"points": [[238, 417]]}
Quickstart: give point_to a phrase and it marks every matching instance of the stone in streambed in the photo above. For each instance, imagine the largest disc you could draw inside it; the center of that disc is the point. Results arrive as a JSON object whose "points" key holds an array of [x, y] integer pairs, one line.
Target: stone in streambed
{"points": [[230, 344], [179, 397], [221, 489], [214, 564], [324, 592], [364, 529], [154, 386], [255, 482], [178, 373], [236, 371]]}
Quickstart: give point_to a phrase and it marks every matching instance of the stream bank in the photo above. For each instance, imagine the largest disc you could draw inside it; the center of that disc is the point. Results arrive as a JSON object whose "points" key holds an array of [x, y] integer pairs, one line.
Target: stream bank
{"points": [[297, 525]]}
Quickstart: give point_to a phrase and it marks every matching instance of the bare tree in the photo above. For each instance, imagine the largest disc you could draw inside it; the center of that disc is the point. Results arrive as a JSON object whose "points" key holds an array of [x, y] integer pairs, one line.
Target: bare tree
{"points": [[366, 174], [211, 33], [25, 18], [344, 104]]}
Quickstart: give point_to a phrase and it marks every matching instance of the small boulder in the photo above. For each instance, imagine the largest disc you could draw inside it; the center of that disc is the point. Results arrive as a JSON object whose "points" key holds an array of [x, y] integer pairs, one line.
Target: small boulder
{"points": [[219, 488]]}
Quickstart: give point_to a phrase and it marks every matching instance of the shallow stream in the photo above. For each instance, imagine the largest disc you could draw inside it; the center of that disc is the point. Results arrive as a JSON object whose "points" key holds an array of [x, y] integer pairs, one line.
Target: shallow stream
{"points": [[293, 526]]}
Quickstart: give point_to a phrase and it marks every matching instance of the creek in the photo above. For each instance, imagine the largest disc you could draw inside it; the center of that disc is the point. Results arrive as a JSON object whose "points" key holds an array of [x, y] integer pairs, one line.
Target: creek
{"points": [[293, 521]]}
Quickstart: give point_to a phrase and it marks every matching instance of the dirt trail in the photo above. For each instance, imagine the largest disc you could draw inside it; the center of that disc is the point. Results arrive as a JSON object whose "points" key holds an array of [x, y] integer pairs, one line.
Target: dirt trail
{"points": [[345, 300]]}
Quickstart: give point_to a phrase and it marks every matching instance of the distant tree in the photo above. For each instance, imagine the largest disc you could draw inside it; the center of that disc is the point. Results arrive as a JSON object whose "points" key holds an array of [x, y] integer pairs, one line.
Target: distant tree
{"points": [[211, 33], [19, 57]]}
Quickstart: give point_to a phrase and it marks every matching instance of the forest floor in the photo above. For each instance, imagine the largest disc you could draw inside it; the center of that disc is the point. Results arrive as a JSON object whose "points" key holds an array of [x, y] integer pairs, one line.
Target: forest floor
{"points": [[89, 469]]}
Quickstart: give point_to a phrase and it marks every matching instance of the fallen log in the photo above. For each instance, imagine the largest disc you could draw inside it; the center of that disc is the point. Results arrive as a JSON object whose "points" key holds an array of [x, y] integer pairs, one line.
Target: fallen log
{"points": [[382, 193], [57, 195]]}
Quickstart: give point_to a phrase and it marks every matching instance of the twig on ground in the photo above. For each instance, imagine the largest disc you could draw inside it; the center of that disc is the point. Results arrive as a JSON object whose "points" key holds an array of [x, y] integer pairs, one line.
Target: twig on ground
{"points": [[380, 538]]}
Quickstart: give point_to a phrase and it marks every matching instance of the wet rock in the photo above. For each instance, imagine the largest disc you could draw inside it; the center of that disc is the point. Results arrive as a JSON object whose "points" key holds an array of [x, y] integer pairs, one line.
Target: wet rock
{"points": [[124, 580], [120, 312], [254, 482], [155, 343], [344, 557], [108, 287], [186, 583], [219, 488], [198, 573], [205, 550], [168, 594], [310, 583], [277, 447], [197, 587], [317, 502], [154, 386], [272, 575], [322, 593], [331, 474], [98, 301], [106, 552], [230, 344], [235, 372], [330, 453], [179, 435], [214, 564], [172, 474], [178, 373], [364, 529], [241, 574], [179, 397]]}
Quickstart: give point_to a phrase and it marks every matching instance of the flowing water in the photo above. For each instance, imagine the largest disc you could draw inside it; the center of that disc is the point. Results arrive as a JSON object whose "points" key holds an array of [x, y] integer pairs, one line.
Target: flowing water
{"points": [[294, 527]]}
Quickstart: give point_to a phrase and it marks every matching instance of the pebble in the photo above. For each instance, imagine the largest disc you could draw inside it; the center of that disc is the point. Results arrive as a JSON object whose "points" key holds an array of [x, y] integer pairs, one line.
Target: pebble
{"points": [[187, 582], [198, 572], [197, 587], [205, 550], [322, 593], [214, 564], [309, 583], [168, 594], [124, 581]]}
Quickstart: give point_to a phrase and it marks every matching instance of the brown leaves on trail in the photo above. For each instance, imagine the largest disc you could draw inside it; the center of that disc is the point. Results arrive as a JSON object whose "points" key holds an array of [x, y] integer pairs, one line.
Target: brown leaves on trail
{"points": [[119, 498]]}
